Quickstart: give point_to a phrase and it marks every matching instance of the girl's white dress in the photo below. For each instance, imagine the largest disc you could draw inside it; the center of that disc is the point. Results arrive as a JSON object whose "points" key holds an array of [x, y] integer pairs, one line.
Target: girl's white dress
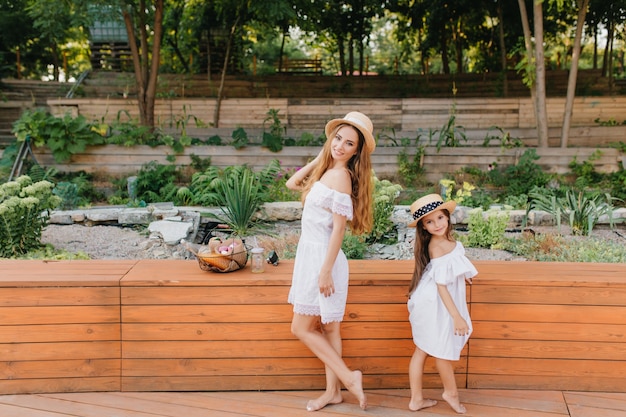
{"points": [[431, 324], [317, 224]]}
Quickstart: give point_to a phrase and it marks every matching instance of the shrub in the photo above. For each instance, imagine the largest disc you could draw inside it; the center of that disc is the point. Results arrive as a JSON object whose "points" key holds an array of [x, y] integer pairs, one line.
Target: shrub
{"points": [[385, 195], [24, 212], [486, 229]]}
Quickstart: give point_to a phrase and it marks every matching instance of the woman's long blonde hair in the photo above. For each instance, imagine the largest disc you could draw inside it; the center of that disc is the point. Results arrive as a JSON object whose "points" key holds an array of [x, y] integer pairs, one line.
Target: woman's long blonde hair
{"points": [[420, 250], [360, 169]]}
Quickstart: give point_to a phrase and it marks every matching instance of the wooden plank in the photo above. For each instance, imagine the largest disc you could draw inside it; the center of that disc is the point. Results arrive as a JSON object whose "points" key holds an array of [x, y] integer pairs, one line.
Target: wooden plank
{"points": [[39, 332]]}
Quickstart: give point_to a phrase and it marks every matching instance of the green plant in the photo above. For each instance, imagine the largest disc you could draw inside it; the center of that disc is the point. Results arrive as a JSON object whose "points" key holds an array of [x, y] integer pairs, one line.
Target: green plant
{"points": [[581, 210], [462, 193], [450, 134], [154, 181], [64, 136], [239, 197], [522, 177], [240, 138], [550, 247], [274, 139], [68, 192], [354, 247], [182, 122], [585, 172], [486, 228], [410, 169], [385, 195], [610, 122], [504, 138], [128, 132], [24, 212]]}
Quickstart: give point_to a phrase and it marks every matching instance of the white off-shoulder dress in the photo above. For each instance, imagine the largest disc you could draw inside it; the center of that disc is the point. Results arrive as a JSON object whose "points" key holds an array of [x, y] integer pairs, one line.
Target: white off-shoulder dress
{"points": [[431, 323], [317, 224]]}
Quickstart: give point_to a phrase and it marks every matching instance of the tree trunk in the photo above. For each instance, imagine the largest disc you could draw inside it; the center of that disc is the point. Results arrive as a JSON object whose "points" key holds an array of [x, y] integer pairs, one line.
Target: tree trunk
{"points": [[505, 81], [220, 91], [529, 54], [444, 54], [540, 80], [573, 72], [146, 72]]}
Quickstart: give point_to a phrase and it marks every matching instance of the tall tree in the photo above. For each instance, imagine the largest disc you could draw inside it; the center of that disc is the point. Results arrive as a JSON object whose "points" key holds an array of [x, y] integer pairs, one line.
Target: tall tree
{"points": [[573, 72], [534, 67], [145, 48]]}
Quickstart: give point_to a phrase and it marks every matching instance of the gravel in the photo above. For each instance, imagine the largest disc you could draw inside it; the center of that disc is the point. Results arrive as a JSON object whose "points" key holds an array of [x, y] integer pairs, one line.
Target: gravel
{"points": [[115, 242]]}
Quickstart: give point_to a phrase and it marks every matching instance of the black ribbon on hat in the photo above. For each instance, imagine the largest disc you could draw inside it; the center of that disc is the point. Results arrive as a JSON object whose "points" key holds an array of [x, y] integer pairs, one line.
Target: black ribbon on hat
{"points": [[426, 209]]}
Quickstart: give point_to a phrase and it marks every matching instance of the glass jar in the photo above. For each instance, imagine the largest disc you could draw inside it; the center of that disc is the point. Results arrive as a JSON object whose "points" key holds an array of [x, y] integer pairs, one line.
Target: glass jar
{"points": [[257, 263]]}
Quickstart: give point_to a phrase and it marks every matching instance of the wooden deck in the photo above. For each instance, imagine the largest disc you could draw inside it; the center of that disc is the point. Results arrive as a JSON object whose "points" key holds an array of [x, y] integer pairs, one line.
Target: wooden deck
{"points": [[387, 403]]}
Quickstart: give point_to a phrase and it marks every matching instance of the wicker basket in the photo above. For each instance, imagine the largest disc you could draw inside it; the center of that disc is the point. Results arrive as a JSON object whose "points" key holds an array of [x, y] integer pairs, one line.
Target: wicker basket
{"points": [[217, 262]]}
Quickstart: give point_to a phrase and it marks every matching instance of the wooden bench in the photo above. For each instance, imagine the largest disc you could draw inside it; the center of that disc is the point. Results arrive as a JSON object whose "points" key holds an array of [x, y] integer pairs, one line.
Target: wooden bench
{"points": [[300, 66], [166, 325]]}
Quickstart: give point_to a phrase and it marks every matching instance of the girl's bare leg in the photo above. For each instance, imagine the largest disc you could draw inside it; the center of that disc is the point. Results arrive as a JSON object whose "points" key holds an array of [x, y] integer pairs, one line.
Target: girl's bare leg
{"points": [[305, 329], [450, 392], [416, 372], [332, 395]]}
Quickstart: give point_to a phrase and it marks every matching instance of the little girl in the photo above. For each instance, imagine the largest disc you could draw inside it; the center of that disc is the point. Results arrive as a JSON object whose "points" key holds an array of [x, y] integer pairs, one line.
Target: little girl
{"points": [[438, 313]]}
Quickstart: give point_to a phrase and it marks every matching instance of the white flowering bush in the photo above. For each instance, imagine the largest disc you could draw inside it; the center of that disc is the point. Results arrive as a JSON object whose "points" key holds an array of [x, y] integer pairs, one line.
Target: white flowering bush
{"points": [[24, 212]]}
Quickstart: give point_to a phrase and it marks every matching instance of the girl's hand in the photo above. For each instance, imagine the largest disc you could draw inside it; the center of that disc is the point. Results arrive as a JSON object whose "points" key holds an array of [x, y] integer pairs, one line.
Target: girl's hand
{"points": [[326, 284], [460, 326]]}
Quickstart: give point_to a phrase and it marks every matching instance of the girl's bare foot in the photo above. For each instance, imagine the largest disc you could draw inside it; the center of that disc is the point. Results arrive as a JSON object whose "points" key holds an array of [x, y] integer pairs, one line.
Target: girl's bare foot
{"points": [[356, 388], [327, 398], [454, 402], [420, 404]]}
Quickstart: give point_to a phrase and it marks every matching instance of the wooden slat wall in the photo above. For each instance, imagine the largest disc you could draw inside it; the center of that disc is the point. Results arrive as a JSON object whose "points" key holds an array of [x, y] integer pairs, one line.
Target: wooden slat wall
{"points": [[204, 330], [548, 326], [166, 325], [60, 326], [391, 114], [119, 160]]}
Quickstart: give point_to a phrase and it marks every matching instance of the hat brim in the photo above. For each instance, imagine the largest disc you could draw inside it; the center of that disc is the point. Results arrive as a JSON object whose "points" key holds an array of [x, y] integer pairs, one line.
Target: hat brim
{"points": [[370, 142], [448, 205]]}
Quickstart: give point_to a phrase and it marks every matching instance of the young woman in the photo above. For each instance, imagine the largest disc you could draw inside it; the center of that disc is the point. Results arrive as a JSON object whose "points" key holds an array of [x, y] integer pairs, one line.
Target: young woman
{"points": [[438, 313], [336, 191]]}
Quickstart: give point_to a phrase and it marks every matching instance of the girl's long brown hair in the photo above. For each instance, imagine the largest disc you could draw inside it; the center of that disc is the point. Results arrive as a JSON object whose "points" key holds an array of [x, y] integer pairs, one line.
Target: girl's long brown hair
{"points": [[420, 250], [360, 169]]}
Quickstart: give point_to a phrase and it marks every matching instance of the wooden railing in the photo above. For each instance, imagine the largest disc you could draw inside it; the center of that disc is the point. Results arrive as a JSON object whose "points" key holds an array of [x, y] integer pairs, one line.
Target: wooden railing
{"points": [[300, 66], [166, 325]]}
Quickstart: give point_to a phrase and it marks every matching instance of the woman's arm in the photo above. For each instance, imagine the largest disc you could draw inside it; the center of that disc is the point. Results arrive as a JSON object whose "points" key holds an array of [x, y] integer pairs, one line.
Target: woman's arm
{"points": [[460, 325], [295, 181], [326, 282]]}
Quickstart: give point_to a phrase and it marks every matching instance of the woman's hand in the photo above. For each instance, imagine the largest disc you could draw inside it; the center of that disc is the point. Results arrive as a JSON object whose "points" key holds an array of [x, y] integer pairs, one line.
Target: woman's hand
{"points": [[326, 284]]}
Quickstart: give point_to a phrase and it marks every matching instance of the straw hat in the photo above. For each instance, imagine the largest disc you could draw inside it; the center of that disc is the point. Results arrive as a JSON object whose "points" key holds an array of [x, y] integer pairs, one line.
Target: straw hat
{"points": [[361, 122], [429, 204]]}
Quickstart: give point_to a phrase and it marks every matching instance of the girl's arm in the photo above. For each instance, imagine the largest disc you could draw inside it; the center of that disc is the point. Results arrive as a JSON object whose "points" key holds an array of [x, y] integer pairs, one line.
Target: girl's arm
{"points": [[326, 283], [295, 181], [460, 325]]}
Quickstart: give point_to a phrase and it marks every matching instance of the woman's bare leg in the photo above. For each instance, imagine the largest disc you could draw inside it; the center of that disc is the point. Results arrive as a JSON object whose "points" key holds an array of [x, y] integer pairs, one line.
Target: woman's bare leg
{"points": [[450, 391], [305, 329], [332, 395], [416, 373]]}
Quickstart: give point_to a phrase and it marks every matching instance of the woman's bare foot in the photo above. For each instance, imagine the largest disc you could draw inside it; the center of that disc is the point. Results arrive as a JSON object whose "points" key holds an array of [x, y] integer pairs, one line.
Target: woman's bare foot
{"points": [[420, 404], [454, 402], [356, 388], [327, 398]]}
